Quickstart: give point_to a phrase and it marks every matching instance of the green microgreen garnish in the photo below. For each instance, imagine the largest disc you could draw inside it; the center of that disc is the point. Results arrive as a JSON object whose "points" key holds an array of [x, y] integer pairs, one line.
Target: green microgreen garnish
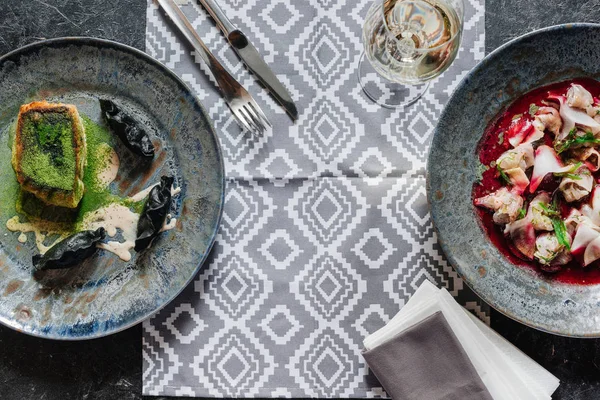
{"points": [[557, 223], [561, 232], [548, 210], [481, 168], [533, 109], [573, 176], [572, 140], [570, 172], [522, 213], [503, 176], [547, 260]]}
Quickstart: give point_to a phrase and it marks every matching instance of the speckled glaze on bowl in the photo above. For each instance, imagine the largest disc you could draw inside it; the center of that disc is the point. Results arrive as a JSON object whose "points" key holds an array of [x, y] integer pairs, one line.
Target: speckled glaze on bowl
{"points": [[545, 56], [106, 295]]}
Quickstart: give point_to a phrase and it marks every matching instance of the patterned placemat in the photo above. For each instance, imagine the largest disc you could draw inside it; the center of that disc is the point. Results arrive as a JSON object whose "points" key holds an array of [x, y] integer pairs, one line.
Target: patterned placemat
{"points": [[326, 231]]}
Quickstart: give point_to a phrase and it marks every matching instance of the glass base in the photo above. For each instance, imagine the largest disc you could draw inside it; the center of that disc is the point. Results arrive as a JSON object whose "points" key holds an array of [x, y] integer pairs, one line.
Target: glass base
{"points": [[384, 92]]}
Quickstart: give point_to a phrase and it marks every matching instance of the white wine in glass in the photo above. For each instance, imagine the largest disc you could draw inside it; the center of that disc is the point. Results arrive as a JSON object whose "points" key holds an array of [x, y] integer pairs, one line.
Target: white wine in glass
{"points": [[409, 43]]}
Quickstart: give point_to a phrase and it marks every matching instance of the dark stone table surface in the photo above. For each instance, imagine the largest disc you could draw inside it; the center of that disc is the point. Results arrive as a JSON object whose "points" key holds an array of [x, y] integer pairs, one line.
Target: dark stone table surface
{"points": [[110, 368]]}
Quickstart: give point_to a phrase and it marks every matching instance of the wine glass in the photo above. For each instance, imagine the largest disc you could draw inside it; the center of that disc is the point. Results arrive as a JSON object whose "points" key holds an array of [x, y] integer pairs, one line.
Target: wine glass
{"points": [[407, 44]]}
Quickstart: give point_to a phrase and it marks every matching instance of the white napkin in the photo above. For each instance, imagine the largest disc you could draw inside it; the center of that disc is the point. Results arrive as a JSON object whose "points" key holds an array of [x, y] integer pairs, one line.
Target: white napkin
{"points": [[506, 372]]}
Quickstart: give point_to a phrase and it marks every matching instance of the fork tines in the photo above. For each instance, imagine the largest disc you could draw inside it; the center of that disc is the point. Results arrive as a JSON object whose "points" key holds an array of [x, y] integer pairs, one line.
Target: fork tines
{"points": [[249, 115]]}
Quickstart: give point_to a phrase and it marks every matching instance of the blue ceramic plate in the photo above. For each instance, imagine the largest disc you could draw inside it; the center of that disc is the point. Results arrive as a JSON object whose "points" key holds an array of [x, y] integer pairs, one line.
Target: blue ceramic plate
{"points": [[542, 57], [106, 295]]}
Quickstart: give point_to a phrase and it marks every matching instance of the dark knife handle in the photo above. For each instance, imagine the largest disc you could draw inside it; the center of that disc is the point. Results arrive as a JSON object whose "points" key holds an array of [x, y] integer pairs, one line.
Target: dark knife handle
{"points": [[219, 16]]}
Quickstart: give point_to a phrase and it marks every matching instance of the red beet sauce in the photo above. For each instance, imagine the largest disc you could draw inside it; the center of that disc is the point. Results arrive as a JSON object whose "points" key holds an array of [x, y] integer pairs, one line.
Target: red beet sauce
{"points": [[492, 146]]}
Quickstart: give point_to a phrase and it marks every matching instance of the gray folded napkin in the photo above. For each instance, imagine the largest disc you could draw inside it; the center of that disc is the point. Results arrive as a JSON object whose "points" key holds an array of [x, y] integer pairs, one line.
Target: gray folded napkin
{"points": [[426, 362]]}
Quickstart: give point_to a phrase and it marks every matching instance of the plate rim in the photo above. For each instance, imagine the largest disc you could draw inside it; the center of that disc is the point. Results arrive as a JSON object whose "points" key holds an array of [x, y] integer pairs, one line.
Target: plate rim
{"points": [[104, 43], [449, 254]]}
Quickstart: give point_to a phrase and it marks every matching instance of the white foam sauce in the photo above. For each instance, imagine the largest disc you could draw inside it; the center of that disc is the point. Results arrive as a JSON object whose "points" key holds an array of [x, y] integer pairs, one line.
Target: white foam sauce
{"points": [[113, 217], [116, 216], [111, 168], [143, 194], [170, 223], [41, 230]]}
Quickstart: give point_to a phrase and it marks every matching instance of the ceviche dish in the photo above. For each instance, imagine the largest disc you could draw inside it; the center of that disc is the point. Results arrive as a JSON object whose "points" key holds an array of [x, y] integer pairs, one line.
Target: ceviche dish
{"points": [[538, 193], [64, 164]]}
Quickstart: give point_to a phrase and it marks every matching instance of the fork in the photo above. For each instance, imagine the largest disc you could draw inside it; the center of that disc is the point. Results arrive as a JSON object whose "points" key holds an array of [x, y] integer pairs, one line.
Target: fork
{"points": [[244, 108]]}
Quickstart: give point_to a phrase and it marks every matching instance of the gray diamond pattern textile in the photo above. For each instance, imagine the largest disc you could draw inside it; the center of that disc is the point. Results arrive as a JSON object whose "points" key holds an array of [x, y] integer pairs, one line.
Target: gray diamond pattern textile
{"points": [[326, 231]]}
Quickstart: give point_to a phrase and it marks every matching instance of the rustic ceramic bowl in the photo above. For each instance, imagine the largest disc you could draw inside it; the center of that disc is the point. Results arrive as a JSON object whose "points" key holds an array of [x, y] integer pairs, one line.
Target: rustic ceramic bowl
{"points": [[539, 58], [105, 294]]}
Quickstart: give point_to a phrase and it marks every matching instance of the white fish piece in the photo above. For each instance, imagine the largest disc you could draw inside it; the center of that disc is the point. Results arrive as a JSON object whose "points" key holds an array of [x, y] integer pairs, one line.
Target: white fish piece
{"points": [[590, 156], [504, 203], [535, 213], [579, 97], [547, 248], [576, 189], [518, 179], [548, 118], [592, 251], [562, 258], [521, 156], [572, 117], [593, 111], [522, 235], [573, 220]]}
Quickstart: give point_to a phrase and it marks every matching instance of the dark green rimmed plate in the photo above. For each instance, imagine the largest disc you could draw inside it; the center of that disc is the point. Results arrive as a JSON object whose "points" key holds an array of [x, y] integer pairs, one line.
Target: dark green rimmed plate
{"points": [[106, 295]]}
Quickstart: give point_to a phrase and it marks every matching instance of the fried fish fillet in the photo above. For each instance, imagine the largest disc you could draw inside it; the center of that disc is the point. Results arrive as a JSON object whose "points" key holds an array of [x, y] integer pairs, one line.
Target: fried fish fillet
{"points": [[49, 152]]}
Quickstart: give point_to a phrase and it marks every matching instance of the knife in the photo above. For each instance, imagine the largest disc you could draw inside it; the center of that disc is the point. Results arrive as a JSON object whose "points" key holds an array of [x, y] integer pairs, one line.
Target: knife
{"points": [[249, 55]]}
